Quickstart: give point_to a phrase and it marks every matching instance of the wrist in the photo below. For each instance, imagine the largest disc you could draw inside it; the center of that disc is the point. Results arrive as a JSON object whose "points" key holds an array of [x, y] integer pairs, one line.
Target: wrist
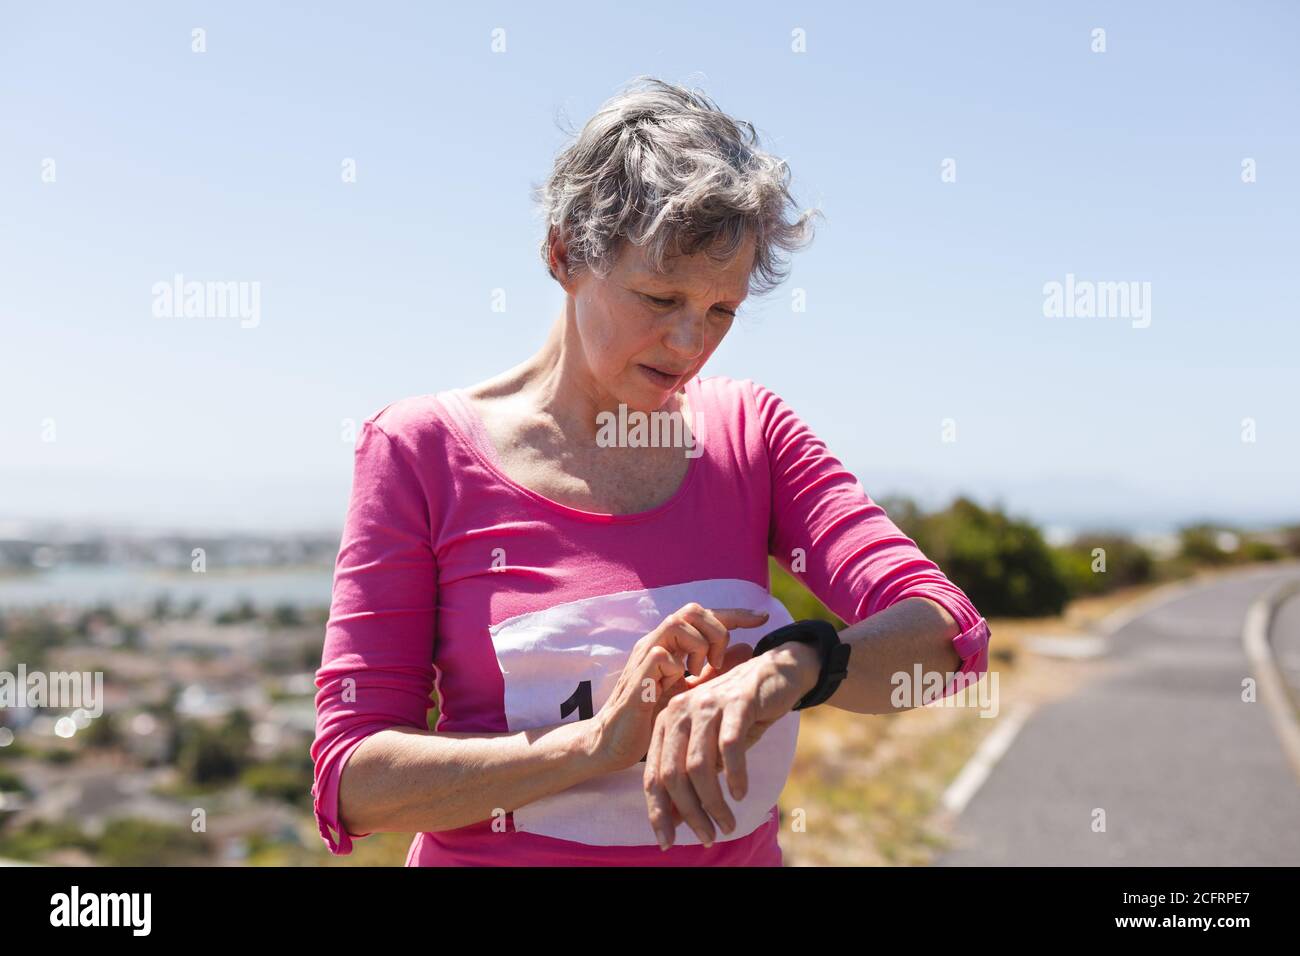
{"points": [[797, 662], [593, 752]]}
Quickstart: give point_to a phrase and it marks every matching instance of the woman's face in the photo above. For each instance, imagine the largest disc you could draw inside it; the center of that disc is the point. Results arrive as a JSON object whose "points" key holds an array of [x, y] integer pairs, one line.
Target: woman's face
{"points": [[645, 335]]}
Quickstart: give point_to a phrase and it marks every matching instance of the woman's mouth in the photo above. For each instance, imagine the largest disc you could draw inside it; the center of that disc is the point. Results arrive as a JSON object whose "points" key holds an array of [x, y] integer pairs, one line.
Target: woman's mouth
{"points": [[662, 379]]}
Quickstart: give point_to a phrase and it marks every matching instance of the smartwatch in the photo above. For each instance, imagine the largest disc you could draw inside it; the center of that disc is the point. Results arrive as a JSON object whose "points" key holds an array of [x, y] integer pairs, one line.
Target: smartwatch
{"points": [[834, 655]]}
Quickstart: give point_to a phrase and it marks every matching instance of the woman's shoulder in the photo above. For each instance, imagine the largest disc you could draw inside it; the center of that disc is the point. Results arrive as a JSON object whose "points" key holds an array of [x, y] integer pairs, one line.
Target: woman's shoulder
{"points": [[726, 390], [418, 423], [736, 398], [750, 408]]}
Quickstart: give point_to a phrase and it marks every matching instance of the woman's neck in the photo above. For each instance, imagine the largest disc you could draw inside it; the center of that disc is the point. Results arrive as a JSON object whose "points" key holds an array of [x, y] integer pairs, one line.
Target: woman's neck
{"points": [[557, 383]]}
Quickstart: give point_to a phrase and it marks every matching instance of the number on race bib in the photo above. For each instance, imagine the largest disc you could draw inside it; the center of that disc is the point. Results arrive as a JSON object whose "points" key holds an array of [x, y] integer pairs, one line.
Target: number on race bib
{"points": [[581, 699]]}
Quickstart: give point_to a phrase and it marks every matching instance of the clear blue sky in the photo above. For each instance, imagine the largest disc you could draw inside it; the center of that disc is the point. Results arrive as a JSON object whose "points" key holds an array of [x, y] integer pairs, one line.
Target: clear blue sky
{"points": [[925, 298]]}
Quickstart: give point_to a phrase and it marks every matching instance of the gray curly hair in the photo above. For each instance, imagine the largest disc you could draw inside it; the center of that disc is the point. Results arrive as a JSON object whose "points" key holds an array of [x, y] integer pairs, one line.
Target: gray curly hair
{"points": [[661, 166]]}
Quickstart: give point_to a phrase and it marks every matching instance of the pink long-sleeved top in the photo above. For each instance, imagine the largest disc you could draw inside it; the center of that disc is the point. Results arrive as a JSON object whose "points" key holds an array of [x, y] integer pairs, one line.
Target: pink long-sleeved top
{"points": [[521, 611]]}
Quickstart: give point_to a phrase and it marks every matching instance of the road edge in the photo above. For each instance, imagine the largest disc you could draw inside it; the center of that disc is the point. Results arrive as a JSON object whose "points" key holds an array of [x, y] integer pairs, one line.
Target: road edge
{"points": [[972, 775], [1273, 690]]}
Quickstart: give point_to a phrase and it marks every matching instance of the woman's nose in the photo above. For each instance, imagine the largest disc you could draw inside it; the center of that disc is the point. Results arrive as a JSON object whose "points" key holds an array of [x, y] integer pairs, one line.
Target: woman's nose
{"points": [[687, 336]]}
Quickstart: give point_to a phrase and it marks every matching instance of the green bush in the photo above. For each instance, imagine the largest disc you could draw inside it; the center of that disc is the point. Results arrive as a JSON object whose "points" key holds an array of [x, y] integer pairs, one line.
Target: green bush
{"points": [[243, 611], [40, 837], [802, 604], [288, 781], [1199, 544], [285, 615], [1259, 551], [1002, 564], [10, 782], [1125, 564], [209, 755], [102, 734], [130, 842]]}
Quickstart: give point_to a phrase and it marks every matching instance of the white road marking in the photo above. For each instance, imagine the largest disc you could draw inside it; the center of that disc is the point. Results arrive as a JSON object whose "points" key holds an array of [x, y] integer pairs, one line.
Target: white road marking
{"points": [[981, 764], [1272, 685]]}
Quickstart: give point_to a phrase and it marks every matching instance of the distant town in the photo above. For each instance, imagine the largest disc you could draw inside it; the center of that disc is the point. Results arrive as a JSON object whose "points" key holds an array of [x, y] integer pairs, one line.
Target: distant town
{"points": [[27, 547], [206, 646]]}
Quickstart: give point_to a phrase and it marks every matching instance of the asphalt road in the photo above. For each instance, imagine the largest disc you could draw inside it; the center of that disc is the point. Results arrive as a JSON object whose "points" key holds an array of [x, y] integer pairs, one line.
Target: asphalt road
{"points": [[1187, 773]]}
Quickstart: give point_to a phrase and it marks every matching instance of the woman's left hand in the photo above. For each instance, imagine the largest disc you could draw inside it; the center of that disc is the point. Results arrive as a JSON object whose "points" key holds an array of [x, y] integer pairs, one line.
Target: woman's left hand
{"points": [[706, 729]]}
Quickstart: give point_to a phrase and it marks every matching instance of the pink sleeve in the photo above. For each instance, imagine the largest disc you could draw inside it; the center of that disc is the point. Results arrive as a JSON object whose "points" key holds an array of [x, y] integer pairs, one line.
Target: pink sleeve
{"points": [[377, 666], [855, 559]]}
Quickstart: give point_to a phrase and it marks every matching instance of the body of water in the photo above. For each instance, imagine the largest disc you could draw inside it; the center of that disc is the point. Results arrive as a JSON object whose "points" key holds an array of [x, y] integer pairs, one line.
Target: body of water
{"points": [[87, 585]]}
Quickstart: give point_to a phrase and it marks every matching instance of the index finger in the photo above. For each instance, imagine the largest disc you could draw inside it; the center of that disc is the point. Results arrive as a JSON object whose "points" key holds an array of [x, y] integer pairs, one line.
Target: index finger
{"points": [[714, 625]]}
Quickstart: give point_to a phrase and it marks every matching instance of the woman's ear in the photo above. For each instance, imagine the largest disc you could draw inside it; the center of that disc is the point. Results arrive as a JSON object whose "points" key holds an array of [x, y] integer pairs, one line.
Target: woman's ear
{"points": [[559, 258]]}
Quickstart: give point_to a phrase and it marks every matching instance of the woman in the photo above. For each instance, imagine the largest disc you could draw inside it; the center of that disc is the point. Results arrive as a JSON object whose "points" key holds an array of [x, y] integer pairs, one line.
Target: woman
{"points": [[586, 601]]}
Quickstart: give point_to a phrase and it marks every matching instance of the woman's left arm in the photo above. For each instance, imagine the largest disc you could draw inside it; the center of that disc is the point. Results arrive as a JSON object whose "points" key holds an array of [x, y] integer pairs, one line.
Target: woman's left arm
{"points": [[831, 536], [708, 729], [905, 615], [916, 634]]}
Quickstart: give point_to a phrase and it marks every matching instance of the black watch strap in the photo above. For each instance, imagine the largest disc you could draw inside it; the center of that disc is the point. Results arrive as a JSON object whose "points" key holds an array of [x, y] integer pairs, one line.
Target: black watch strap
{"points": [[834, 655]]}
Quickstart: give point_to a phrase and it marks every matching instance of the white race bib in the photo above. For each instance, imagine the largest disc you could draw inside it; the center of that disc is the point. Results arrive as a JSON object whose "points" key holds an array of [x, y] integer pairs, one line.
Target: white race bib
{"points": [[560, 665]]}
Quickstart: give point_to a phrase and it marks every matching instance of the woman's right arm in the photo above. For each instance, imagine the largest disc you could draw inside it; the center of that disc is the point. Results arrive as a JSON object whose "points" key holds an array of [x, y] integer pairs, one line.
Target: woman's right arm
{"points": [[376, 672], [408, 780], [377, 765]]}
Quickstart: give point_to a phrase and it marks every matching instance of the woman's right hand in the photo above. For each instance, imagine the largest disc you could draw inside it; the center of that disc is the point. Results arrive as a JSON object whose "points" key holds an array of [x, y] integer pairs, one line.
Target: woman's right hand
{"points": [[654, 674]]}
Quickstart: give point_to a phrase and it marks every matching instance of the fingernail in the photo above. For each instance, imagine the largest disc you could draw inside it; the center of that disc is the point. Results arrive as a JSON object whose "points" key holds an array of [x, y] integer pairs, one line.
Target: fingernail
{"points": [[663, 842]]}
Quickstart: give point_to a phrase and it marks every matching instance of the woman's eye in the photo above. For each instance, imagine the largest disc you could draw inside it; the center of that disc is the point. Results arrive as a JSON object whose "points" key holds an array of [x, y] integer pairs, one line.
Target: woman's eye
{"points": [[665, 303]]}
